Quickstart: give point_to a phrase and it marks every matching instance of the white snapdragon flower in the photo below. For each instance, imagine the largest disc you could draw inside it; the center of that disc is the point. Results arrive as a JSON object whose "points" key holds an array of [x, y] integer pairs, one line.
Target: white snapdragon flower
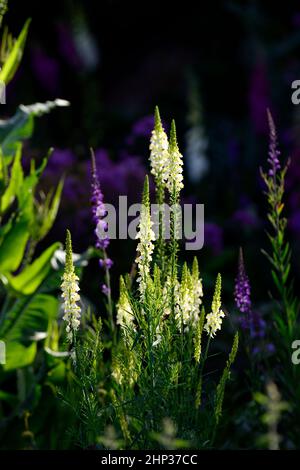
{"points": [[188, 298], [146, 238], [175, 171], [214, 319], [159, 154], [70, 289], [124, 310]]}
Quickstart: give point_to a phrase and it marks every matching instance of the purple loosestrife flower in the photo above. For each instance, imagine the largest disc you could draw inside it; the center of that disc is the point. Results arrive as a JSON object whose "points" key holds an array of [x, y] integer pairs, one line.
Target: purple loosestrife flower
{"points": [[242, 290], [99, 211], [273, 150], [106, 263], [253, 323], [105, 289]]}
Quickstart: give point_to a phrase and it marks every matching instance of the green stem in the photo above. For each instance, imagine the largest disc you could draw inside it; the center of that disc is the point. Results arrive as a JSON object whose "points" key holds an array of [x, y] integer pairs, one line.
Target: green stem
{"points": [[160, 241], [109, 297]]}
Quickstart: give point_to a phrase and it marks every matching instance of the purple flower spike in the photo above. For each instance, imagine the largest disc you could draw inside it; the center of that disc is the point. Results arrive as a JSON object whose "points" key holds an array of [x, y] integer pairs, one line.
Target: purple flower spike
{"points": [[105, 289], [106, 263], [273, 150], [98, 210], [242, 290]]}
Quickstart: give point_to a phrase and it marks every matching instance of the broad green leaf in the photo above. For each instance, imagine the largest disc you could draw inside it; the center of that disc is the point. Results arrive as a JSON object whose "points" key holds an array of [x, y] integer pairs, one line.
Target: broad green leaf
{"points": [[13, 246], [19, 355], [20, 328], [28, 281], [13, 60]]}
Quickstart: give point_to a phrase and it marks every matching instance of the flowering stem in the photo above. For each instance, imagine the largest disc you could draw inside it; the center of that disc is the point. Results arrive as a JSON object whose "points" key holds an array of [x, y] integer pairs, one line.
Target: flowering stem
{"points": [[199, 375], [109, 298], [160, 241], [174, 248]]}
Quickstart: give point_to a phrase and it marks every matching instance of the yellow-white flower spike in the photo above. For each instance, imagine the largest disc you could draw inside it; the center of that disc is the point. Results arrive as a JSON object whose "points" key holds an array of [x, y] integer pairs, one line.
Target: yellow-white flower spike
{"points": [[145, 246], [70, 289], [214, 319], [124, 310], [175, 172], [188, 298], [183, 304], [159, 154], [197, 291]]}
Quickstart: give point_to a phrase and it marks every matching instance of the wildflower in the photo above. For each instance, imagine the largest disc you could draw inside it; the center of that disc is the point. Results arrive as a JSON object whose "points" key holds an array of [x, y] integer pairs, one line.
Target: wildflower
{"points": [[124, 310], [273, 150], [242, 288], [70, 294], [197, 289], [106, 263], [175, 176], [98, 209], [105, 289], [188, 297], [198, 336], [253, 322], [214, 319], [183, 305], [99, 213], [159, 155], [226, 372], [145, 246]]}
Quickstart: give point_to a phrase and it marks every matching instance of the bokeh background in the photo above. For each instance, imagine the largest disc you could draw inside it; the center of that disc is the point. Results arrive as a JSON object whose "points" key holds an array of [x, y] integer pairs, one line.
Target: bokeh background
{"points": [[214, 67]]}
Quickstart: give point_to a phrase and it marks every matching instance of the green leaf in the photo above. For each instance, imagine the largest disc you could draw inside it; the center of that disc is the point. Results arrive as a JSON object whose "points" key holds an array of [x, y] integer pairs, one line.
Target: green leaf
{"points": [[276, 281], [12, 62], [13, 246], [18, 355], [13, 131], [19, 330], [286, 273], [50, 209], [33, 275], [15, 182]]}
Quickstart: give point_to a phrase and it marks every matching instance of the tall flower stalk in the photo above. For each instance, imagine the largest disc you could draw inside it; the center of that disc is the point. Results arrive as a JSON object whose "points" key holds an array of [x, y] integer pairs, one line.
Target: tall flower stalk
{"points": [[214, 319], [70, 289], [251, 320], [102, 241], [159, 158], [160, 355], [242, 292], [174, 185], [280, 256], [188, 297], [145, 246]]}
